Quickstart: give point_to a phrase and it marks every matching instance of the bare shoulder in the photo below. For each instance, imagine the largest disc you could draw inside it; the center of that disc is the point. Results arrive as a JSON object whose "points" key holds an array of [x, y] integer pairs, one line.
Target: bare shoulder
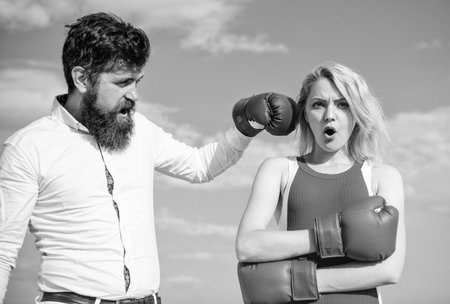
{"points": [[388, 182], [276, 167], [275, 161], [387, 172], [275, 164]]}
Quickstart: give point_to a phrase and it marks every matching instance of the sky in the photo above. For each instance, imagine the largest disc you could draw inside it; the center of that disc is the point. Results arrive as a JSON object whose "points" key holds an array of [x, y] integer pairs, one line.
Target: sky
{"points": [[208, 54]]}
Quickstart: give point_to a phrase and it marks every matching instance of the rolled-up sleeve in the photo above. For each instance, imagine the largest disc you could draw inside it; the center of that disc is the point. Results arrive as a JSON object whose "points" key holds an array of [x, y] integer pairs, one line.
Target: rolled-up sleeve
{"points": [[198, 165], [18, 193]]}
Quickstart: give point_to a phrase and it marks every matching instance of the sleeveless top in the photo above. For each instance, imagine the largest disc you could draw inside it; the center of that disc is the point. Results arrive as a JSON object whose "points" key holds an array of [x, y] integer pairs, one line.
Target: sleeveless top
{"points": [[309, 194]]}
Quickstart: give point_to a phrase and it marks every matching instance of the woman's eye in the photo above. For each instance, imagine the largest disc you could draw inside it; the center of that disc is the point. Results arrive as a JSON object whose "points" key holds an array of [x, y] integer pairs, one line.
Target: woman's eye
{"points": [[317, 104], [343, 105]]}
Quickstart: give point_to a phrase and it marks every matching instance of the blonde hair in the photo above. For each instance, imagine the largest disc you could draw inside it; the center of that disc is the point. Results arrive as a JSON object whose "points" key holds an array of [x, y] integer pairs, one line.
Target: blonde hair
{"points": [[369, 136]]}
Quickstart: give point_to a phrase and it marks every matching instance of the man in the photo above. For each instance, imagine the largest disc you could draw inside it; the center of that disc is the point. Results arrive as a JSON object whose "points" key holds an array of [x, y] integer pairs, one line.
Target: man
{"points": [[82, 177]]}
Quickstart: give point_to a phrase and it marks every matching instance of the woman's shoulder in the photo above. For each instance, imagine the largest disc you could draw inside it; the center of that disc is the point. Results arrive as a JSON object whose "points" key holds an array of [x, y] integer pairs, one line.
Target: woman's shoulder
{"points": [[384, 169], [278, 162], [383, 173], [278, 165]]}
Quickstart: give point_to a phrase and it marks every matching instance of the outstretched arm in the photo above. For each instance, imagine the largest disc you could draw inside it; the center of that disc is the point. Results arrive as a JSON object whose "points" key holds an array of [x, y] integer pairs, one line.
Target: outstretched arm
{"points": [[254, 242]]}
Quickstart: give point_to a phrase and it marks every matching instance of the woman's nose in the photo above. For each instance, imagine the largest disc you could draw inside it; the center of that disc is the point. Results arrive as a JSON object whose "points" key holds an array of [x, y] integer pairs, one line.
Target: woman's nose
{"points": [[330, 113]]}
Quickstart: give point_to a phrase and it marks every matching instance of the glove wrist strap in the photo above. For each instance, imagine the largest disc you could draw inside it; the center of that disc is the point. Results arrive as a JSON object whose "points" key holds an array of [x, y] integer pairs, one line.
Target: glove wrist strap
{"points": [[328, 236], [303, 280], [240, 120]]}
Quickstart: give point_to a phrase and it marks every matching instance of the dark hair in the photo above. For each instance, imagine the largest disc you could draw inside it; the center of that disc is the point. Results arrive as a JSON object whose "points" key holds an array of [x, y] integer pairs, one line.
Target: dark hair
{"points": [[98, 42]]}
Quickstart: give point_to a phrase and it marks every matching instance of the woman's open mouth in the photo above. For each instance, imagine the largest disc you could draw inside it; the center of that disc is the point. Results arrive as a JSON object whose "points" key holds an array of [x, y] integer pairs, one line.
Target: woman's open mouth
{"points": [[329, 131]]}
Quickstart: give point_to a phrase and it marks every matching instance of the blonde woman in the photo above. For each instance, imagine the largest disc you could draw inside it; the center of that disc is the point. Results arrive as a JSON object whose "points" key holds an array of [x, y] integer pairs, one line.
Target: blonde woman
{"points": [[339, 208]]}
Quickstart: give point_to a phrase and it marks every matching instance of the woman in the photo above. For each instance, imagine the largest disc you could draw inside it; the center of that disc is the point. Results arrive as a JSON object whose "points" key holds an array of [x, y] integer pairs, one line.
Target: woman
{"points": [[341, 135]]}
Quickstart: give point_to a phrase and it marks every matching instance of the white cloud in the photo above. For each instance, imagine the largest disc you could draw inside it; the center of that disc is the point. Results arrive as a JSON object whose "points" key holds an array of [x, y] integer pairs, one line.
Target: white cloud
{"points": [[26, 93], [434, 44], [203, 24], [194, 256], [183, 281], [421, 152], [28, 14], [166, 221]]}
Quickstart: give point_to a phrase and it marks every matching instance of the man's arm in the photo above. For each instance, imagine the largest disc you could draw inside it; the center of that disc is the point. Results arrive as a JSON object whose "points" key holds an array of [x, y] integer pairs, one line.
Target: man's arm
{"points": [[18, 193], [270, 111], [197, 165]]}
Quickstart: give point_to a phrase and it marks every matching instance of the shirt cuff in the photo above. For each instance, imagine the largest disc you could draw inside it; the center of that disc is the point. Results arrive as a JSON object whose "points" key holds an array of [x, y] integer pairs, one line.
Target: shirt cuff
{"points": [[236, 139]]}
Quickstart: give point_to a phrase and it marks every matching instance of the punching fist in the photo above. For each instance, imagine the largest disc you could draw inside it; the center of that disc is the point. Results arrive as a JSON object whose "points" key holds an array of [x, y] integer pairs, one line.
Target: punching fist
{"points": [[365, 231], [275, 112], [278, 282]]}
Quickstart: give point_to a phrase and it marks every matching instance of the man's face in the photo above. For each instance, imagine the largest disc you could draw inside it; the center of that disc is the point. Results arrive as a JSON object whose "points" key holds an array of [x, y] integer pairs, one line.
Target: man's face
{"points": [[108, 106]]}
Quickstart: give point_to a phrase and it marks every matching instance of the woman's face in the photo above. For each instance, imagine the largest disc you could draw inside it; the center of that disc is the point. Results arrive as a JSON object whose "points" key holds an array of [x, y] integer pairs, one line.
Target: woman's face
{"points": [[329, 116]]}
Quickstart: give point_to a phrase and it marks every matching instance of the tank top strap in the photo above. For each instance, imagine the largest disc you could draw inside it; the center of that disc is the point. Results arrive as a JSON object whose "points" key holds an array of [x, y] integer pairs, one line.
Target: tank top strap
{"points": [[281, 210]]}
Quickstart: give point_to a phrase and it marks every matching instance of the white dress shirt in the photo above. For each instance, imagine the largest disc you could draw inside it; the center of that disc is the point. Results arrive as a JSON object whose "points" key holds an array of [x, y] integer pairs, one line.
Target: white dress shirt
{"points": [[52, 178]]}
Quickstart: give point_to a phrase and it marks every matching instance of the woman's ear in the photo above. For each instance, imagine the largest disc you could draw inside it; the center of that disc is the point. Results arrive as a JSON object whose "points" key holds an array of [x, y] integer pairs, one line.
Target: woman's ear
{"points": [[80, 79]]}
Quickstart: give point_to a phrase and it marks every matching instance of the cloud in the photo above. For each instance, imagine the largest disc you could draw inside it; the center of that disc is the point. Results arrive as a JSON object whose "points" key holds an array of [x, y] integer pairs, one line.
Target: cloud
{"points": [[26, 93], [183, 281], [202, 24], [421, 146], [200, 256], [29, 14], [434, 44], [166, 221]]}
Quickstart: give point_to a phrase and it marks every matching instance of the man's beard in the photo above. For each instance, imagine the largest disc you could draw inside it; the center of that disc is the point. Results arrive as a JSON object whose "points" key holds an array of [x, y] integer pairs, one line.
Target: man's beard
{"points": [[111, 133]]}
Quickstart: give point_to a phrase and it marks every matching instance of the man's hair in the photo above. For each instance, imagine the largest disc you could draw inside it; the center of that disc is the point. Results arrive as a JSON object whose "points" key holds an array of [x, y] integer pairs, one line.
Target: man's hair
{"points": [[369, 135], [99, 42]]}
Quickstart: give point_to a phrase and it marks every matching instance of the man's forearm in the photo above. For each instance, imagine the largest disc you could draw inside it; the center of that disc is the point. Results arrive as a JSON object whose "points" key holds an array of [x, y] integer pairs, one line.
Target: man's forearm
{"points": [[225, 152]]}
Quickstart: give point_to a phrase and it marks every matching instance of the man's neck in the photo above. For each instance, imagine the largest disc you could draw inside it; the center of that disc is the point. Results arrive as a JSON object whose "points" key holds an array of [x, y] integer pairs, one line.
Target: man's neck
{"points": [[73, 105]]}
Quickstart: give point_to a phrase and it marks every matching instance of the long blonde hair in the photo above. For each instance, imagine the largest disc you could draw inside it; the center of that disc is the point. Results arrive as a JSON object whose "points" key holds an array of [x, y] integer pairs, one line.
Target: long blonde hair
{"points": [[369, 136]]}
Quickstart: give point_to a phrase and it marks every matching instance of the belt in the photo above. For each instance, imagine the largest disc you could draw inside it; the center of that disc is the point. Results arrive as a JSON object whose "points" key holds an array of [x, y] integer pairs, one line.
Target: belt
{"points": [[73, 298]]}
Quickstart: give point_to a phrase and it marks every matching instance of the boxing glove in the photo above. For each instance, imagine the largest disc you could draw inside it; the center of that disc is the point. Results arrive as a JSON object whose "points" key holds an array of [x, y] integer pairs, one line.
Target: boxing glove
{"points": [[275, 112], [278, 282], [364, 231]]}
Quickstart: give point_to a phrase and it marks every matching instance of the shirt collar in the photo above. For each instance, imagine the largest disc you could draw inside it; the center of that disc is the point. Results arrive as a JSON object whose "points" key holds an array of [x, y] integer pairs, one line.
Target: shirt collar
{"points": [[61, 114]]}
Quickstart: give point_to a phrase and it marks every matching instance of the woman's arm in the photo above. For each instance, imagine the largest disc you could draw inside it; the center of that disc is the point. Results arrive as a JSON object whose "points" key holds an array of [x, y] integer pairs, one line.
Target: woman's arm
{"points": [[388, 183], [256, 244]]}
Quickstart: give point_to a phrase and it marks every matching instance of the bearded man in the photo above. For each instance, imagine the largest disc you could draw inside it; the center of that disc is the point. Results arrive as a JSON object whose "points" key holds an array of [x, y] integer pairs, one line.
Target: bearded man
{"points": [[82, 178]]}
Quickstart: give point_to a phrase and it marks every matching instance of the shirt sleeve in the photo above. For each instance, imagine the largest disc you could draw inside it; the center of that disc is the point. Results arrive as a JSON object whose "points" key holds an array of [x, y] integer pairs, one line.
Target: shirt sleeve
{"points": [[18, 193], [197, 165]]}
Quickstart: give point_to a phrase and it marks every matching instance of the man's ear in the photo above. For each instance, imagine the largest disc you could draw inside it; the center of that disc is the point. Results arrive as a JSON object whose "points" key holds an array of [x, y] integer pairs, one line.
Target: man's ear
{"points": [[80, 79]]}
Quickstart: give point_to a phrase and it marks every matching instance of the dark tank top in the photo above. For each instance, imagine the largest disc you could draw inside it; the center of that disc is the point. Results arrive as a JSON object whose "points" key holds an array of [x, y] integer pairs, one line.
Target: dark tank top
{"points": [[314, 194]]}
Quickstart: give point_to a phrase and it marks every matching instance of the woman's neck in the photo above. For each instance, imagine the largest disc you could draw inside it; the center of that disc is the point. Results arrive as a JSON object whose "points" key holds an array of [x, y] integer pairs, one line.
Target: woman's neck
{"points": [[329, 163], [335, 158]]}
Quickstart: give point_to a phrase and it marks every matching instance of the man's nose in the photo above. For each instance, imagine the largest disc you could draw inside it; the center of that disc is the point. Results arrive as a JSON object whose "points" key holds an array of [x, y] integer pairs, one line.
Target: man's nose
{"points": [[132, 94]]}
